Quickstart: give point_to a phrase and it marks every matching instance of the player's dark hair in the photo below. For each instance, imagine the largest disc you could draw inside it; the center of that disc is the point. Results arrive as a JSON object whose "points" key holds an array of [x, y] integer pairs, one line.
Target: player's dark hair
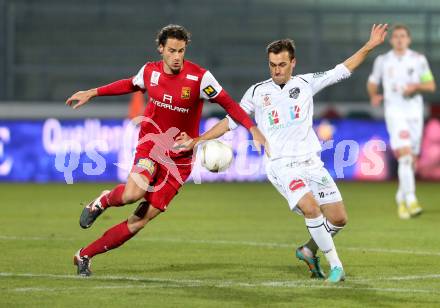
{"points": [[401, 27], [172, 31], [282, 45]]}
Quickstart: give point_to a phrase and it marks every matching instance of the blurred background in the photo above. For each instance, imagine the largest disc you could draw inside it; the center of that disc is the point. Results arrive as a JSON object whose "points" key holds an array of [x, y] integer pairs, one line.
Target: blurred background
{"points": [[51, 49]]}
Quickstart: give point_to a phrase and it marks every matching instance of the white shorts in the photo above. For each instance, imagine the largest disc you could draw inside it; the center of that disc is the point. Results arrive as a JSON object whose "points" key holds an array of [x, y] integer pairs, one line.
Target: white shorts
{"points": [[294, 179], [405, 132]]}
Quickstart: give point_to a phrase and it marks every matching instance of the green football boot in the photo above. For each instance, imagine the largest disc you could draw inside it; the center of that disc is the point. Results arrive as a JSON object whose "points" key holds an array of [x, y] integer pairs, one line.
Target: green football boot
{"points": [[312, 263], [336, 275]]}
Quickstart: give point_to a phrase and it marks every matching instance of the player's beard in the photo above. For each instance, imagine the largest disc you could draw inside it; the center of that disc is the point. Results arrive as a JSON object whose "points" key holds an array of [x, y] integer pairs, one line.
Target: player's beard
{"points": [[176, 71]]}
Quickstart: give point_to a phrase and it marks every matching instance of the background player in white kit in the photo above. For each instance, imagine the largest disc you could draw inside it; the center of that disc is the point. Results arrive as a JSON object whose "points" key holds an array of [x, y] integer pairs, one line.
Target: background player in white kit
{"points": [[404, 75], [283, 108]]}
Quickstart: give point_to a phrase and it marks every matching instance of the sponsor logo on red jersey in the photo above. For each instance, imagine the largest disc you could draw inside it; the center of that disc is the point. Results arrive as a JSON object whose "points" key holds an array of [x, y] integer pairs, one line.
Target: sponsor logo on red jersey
{"points": [[210, 91], [167, 104], [192, 77], [146, 164], [154, 80], [168, 98]]}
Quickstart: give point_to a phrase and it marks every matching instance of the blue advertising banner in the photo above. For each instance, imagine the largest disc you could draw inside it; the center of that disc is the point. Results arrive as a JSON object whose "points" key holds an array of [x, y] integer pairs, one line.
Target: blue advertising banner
{"points": [[93, 150]]}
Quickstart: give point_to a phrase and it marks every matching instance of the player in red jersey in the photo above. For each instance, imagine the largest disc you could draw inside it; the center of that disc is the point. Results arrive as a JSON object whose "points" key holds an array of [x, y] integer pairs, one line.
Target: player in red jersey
{"points": [[176, 90]]}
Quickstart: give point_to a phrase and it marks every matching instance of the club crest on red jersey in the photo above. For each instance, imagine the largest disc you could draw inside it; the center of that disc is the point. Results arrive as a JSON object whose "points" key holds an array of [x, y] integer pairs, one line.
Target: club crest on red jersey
{"points": [[186, 93]]}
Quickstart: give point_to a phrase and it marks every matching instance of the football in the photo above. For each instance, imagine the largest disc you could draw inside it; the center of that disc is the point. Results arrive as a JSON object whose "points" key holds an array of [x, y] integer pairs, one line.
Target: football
{"points": [[216, 156]]}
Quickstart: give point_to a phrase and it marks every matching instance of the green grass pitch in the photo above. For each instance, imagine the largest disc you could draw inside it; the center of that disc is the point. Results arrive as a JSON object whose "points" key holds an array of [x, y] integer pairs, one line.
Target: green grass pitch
{"points": [[218, 245]]}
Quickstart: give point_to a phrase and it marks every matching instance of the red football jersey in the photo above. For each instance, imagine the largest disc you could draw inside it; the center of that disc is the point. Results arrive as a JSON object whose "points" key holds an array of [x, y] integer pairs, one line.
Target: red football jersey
{"points": [[175, 100]]}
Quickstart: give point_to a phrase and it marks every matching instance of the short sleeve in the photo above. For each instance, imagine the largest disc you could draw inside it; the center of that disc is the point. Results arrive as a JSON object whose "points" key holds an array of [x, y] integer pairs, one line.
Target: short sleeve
{"points": [[425, 70], [246, 104], [320, 80], [376, 75], [209, 86], [138, 79]]}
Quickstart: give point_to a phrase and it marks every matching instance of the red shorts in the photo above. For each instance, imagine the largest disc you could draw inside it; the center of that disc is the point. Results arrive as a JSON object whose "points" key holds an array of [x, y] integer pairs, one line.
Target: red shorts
{"points": [[165, 177]]}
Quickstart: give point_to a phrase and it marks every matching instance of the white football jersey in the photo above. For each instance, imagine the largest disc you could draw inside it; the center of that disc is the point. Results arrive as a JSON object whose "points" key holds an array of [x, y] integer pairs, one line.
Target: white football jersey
{"points": [[285, 115], [395, 73]]}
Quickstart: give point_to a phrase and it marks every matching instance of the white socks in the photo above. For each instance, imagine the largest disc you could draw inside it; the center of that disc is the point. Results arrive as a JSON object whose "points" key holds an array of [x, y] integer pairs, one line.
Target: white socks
{"points": [[323, 239], [331, 228], [407, 184], [400, 196]]}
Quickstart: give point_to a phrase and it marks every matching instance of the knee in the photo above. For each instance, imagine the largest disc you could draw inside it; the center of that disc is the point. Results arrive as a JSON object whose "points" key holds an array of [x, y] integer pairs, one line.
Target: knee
{"points": [[340, 221], [337, 215], [310, 209]]}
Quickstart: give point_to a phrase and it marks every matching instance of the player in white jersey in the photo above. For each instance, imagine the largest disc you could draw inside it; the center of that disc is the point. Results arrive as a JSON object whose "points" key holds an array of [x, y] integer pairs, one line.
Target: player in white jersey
{"points": [[404, 75], [283, 108]]}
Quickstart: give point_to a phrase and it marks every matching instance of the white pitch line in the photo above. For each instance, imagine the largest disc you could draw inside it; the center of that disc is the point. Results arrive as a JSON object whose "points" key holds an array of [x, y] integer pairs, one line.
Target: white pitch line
{"points": [[220, 242], [396, 251], [44, 289], [197, 281], [399, 278], [282, 245], [182, 283], [34, 238], [131, 287], [105, 278], [240, 243]]}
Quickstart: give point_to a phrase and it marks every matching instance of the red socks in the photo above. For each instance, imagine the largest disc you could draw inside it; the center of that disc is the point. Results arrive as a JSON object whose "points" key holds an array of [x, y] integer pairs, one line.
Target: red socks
{"points": [[113, 198], [112, 238]]}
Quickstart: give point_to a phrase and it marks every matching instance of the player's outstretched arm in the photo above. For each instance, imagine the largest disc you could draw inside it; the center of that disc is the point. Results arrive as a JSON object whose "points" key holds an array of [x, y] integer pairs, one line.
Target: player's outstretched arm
{"points": [[185, 143], [222, 127], [377, 37], [120, 87], [218, 130]]}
